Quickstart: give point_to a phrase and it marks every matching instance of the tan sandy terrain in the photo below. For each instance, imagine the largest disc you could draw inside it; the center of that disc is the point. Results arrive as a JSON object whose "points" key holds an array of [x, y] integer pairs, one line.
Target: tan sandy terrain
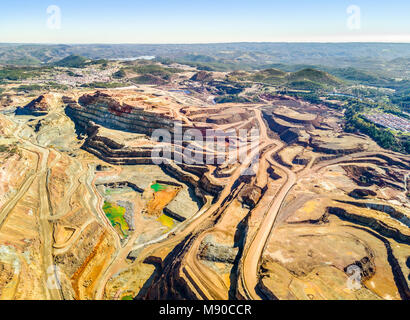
{"points": [[86, 212]]}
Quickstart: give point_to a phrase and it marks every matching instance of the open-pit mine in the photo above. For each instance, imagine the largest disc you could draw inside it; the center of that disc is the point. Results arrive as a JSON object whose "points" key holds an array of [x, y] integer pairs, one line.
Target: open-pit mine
{"points": [[92, 206]]}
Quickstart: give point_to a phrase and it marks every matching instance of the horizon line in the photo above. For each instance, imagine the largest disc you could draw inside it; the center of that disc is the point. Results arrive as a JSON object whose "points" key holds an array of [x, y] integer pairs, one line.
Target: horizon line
{"points": [[203, 43]]}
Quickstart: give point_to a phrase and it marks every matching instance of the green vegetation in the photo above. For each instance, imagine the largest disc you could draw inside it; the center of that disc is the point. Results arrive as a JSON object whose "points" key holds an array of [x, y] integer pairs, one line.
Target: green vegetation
{"points": [[306, 85], [29, 88], [402, 99], [119, 74], [10, 150], [72, 61], [127, 298], [148, 79], [104, 85], [102, 62], [214, 65], [209, 63], [234, 98], [271, 76], [373, 58], [315, 76], [72, 74], [24, 61], [384, 137], [311, 97], [394, 109], [148, 73], [155, 70], [199, 58], [375, 84], [305, 79], [361, 76], [46, 87], [56, 86], [115, 214], [20, 73]]}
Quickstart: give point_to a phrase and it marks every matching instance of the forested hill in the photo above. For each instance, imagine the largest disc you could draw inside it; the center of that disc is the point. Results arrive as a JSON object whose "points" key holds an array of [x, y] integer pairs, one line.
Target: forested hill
{"points": [[393, 57]]}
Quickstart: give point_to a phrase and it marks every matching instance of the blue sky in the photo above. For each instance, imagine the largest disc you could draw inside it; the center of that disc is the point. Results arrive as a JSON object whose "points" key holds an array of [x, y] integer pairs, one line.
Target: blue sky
{"points": [[181, 21]]}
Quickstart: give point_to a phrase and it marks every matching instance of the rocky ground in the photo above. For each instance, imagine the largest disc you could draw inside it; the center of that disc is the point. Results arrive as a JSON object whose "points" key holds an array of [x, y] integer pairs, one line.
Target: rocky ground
{"points": [[85, 212]]}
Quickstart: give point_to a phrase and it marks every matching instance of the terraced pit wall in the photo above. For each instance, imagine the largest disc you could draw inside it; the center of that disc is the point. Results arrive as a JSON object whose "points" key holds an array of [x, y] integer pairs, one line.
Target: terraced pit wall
{"points": [[105, 111]]}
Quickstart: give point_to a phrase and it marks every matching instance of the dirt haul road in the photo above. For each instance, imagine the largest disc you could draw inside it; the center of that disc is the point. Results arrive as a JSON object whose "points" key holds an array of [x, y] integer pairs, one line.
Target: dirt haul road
{"points": [[203, 278]]}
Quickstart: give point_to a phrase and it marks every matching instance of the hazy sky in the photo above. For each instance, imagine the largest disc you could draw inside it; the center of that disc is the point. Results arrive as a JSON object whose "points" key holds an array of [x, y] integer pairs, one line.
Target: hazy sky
{"points": [[196, 21]]}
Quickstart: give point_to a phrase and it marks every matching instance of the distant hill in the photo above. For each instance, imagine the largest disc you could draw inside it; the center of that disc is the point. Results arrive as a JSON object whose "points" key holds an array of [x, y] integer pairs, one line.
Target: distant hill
{"points": [[72, 61], [272, 76], [313, 75], [202, 76], [354, 74], [385, 58], [405, 62], [309, 78], [272, 72]]}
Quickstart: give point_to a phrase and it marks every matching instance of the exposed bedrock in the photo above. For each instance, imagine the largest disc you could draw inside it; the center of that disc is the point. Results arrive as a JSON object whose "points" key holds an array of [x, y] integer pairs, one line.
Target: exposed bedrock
{"points": [[398, 275], [217, 253], [122, 184], [173, 215], [322, 220], [379, 226], [403, 162], [166, 282], [129, 213], [383, 208], [250, 195], [308, 129], [278, 158], [367, 267], [300, 161], [103, 109], [225, 118], [320, 147], [263, 291], [306, 121], [202, 76], [276, 125], [197, 170], [362, 193], [287, 131], [201, 185], [272, 174], [368, 176], [38, 107], [114, 153], [224, 87]]}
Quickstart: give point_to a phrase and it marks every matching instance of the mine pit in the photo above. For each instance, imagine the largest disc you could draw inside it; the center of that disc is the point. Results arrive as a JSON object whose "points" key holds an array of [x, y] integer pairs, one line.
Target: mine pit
{"points": [[81, 190]]}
